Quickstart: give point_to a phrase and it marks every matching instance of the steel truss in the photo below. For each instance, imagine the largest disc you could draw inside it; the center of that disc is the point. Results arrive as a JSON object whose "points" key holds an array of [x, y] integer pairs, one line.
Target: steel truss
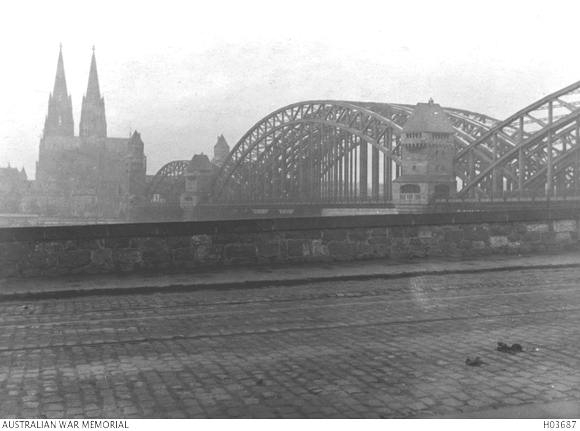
{"points": [[533, 153], [329, 151], [169, 183]]}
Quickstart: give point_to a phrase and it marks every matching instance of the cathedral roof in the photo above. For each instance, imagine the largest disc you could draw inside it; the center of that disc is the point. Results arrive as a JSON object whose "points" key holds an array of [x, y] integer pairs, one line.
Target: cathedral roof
{"points": [[93, 90], [428, 117]]}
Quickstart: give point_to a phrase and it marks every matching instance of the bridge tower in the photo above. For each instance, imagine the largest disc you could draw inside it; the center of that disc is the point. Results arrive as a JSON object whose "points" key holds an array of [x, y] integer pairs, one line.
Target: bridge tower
{"points": [[198, 176], [221, 150], [428, 147]]}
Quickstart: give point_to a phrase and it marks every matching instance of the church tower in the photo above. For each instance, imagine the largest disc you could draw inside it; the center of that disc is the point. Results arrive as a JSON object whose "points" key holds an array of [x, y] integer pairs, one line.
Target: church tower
{"points": [[59, 119], [428, 147], [93, 120]]}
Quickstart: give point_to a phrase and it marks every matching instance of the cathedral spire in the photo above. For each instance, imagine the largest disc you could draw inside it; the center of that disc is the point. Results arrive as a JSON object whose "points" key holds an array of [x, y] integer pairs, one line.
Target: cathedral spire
{"points": [[93, 120], [59, 119]]}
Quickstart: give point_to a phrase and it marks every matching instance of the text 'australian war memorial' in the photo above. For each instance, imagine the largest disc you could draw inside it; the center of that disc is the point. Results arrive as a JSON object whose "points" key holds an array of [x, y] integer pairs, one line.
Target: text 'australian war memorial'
{"points": [[313, 158]]}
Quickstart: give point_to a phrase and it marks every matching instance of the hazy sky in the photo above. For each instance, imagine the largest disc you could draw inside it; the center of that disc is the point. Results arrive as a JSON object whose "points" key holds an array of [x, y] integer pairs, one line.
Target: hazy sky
{"points": [[182, 73]]}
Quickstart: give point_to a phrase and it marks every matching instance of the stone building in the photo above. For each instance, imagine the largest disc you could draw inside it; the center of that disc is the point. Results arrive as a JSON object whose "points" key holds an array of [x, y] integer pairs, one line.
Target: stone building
{"points": [[13, 186], [428, 147], [90, 175], [198, 179]]}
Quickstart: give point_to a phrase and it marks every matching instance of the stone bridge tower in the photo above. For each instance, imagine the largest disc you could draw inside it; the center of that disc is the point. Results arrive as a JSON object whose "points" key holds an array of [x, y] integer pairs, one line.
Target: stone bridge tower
{"points": [[428, 147]]}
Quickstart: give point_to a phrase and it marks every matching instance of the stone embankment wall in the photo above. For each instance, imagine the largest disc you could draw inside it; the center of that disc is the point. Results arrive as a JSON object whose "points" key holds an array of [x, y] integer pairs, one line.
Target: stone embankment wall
{"points": [[59, 251]]}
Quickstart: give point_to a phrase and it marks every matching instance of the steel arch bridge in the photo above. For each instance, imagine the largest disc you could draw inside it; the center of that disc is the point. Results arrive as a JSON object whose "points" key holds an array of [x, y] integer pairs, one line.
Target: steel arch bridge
{"points": [[168, 184], [345, 153]]}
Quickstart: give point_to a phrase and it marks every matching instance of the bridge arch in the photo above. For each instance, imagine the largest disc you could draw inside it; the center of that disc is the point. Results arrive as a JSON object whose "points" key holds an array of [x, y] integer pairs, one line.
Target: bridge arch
{"points": [[168, 183], [328, 151]]}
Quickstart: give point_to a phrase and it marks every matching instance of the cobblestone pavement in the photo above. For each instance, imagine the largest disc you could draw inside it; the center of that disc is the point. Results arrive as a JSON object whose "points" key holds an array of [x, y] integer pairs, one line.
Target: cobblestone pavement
{"points": [[373, 349]]}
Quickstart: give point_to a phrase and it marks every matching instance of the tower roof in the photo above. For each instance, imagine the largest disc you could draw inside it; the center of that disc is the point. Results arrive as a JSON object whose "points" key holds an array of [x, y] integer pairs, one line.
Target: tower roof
{"points": [[60, 78], [428, 117], [93, 118], [200, 162], [221, 142], [93, 90]]}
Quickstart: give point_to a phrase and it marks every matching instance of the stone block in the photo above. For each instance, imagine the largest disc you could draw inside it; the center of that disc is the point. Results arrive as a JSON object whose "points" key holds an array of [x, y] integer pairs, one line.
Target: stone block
{"points": [[340, 248], [298, 247], [209, 253], [201, 240], [178, 241], [563, 237], [453, 236], [363, 250], [378, 232], [102, 256], [236, 251], [425, 232], [225, 238], [335, 235], [532, 236], [126, 256], [399, 242], [463, 245], [50, 247], [475, 233], [116, 243], [478, 245], [74, 258], [514, 237], [148, 242], [157, 257], [500, 230], [271, 236], [411, 232], [548, 238], [319, 248], [42, 260], [16, 251], [520, 227], [303, 234], [538, 227], [498, 241], [183, 256], [358, 235], [415, 241], [396, 232], [380, 240], [90, 244], [565, 226], [269, 249]]}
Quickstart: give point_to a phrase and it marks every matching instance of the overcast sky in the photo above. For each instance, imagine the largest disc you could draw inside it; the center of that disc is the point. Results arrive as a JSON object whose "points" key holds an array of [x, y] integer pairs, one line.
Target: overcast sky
{"points": [[182, 73]]}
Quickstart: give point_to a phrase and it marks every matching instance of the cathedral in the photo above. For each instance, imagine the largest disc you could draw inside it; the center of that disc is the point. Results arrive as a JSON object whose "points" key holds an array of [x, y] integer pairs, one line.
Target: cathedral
{"points": [[90, 175]]}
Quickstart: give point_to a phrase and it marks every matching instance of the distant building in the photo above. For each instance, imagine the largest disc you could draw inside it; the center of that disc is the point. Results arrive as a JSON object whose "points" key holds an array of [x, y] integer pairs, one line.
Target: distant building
{"points": [[198, 178], [221, 150], [90, 175], [428, 147], [13, 186]]}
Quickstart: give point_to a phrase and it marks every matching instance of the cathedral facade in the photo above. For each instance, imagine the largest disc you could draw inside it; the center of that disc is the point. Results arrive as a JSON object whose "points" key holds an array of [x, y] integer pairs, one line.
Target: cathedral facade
{"points": [[90, 175]]}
